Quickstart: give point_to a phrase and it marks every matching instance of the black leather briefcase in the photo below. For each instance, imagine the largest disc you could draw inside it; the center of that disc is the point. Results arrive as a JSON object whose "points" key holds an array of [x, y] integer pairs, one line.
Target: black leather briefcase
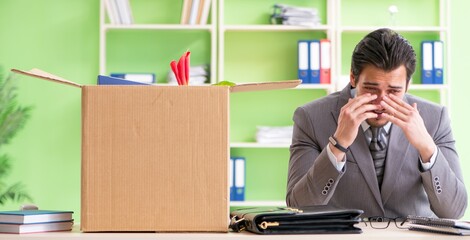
{"points": [[305, 220]]}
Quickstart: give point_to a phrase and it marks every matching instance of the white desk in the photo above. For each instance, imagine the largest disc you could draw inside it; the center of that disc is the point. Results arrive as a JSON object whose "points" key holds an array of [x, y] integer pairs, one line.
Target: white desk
{"points": [[368, 233]]}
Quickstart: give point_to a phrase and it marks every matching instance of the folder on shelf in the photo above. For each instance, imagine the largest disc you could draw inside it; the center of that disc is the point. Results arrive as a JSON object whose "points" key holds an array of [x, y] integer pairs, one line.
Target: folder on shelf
{"points": [[239, 179], [199, 11], [427, 62], [438, 62], [185, 11], [231, 178], [111, 10], [325, 61], [314, 61], [124, 11], [107, 80], [194, 12], [302, 55], [136, 77], [205, 12]]}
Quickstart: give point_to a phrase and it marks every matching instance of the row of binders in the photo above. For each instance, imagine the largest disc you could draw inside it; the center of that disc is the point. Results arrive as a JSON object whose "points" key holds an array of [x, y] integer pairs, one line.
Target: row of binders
{"points": [[314, 61], [237, 178], [195, 12], [432, 57], [119, 11]]}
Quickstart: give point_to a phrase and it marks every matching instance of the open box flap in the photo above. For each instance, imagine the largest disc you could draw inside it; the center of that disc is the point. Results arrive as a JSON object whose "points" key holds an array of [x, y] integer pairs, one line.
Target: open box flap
{"points": [[38, 73], [248, 87]]}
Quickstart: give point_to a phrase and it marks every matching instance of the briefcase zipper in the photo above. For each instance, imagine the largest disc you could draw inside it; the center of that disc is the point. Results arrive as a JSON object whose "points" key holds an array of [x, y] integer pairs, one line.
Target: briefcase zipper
{"points": [[264, 225], [296, 210]]}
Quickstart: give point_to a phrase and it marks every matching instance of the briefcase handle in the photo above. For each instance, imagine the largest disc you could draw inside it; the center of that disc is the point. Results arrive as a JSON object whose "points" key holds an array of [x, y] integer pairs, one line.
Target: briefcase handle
{"points": [[237, 224]]}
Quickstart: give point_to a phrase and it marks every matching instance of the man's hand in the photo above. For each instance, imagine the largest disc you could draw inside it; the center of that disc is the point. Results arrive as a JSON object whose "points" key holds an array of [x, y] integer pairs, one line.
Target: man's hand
{"points": [[357, 110], [408, 119]]}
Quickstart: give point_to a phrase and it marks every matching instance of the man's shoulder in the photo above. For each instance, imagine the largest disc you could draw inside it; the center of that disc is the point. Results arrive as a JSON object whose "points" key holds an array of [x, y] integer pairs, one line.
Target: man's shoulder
{"points": [[423, 103], [324, 103]]}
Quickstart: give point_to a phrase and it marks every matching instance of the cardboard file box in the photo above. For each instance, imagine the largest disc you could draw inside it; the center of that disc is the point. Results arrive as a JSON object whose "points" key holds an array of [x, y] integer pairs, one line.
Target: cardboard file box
{"points": [[155, 158]]}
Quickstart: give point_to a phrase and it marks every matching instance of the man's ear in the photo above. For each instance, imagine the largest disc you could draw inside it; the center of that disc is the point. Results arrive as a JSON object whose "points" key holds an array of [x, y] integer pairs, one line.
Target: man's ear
{"points": [[352, 80]]}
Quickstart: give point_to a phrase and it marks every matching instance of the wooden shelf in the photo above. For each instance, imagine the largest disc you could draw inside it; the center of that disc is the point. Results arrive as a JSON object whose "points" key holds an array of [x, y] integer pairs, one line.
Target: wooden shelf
{"points": [[396, 28], [156, 27], [267, 27], [257, 203], [258, 145]]}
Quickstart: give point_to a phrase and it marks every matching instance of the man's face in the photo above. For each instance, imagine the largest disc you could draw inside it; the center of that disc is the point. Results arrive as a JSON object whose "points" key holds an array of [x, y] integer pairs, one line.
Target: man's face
{"points": [[375, 81]]}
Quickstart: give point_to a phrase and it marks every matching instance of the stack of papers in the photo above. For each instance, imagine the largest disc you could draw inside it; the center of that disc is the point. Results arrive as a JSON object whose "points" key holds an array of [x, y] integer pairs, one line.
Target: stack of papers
{"points": [[292, 15], [274, 134], [198, 75], [439, 225]]}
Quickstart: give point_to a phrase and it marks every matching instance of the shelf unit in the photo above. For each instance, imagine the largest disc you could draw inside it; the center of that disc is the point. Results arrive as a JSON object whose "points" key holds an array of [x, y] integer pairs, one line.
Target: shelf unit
{"points": [[327, 28], [234, 29], [106, 27]]}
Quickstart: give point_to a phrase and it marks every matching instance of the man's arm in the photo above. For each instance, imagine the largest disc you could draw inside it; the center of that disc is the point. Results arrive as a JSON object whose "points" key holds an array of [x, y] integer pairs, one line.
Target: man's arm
{"points": [[443, 182], [312, 178]]}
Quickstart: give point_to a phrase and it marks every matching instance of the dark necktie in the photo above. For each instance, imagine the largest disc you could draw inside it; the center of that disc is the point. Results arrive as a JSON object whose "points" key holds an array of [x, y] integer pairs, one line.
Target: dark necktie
{"points": [[378, 150]]}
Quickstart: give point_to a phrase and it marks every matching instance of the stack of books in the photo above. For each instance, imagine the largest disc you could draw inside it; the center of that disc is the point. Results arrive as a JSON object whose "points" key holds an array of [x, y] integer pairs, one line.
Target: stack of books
{"points": [[32, 221], [293, 15], [195, 12], [198, 75]]}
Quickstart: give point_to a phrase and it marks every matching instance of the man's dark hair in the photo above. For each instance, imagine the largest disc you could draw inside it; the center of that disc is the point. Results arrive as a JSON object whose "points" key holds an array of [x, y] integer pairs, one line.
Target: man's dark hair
{"points": [[384, 49]]}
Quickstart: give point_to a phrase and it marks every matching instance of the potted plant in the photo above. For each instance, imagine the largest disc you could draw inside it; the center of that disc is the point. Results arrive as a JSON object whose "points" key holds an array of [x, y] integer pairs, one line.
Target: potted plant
{"points": [[12, 118]]}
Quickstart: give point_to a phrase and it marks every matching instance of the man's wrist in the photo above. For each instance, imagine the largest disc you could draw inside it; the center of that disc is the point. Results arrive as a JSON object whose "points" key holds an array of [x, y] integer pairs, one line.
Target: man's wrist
{"points": [[337, 145]]}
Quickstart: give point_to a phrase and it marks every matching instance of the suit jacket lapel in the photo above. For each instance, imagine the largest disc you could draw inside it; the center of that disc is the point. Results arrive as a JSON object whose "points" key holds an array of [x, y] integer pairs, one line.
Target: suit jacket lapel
{"points": [[358, 151], [398, 146]]}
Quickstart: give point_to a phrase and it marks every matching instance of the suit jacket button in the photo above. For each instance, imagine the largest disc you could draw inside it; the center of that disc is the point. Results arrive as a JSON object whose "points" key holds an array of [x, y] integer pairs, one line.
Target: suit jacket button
{"points": [[436, 179], [324, 192]]}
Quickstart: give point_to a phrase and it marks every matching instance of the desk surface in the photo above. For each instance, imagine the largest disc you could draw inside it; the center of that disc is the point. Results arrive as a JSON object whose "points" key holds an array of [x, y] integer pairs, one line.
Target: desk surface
{"points": [[368, 233]]}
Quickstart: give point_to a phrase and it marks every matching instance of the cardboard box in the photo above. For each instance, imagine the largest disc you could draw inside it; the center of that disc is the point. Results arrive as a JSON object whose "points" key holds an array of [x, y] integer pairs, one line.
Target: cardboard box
{"points": [[155, 158]]}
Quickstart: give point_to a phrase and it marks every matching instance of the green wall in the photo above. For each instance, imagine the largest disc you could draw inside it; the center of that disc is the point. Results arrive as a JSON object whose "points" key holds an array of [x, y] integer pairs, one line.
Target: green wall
{"points": [[62, 36]]}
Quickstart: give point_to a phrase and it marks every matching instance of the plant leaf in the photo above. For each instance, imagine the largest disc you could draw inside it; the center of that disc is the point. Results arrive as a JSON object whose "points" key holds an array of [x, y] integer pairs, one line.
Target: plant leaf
{"points": [[225, 83]]}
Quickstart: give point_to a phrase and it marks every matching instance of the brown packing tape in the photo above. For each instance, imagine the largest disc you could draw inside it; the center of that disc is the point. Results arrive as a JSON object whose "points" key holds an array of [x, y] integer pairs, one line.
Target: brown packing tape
{"points": [[38, 73], [249, 87]]}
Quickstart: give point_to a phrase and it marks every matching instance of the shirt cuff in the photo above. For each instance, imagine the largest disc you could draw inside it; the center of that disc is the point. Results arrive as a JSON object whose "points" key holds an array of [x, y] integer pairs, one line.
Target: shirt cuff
{"points": [[428, 165], [338, 165]]}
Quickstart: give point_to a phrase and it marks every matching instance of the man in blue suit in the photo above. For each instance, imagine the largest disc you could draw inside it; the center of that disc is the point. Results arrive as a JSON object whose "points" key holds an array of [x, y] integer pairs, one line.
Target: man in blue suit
{"points": [[374, 147]]}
